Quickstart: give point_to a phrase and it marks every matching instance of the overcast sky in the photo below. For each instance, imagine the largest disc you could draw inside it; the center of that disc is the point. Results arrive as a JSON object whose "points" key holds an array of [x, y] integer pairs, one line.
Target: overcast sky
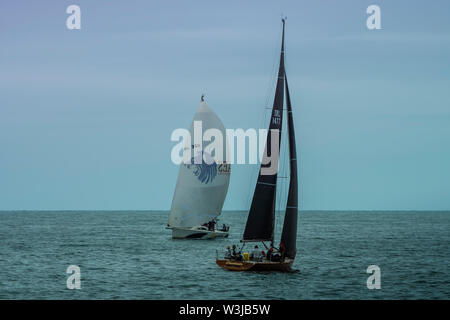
{"points": [[86, 115]]}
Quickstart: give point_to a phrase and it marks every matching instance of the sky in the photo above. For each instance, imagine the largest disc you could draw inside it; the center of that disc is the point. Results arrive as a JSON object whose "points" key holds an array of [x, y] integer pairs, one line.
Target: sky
{"points": [[86, 115]]}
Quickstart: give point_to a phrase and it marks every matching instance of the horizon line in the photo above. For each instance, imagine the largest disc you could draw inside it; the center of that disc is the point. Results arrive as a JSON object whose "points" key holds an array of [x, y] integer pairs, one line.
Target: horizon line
{"points": [[238, 210]]}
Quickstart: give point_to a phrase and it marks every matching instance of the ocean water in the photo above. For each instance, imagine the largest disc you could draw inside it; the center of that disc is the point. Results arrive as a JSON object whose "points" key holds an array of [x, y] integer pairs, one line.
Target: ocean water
{"points": [[130, 255]]}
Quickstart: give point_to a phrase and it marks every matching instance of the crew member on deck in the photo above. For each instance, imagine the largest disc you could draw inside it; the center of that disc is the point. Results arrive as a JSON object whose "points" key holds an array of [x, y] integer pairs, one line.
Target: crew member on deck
{"points": [[263, 254], [233, 252], [255, 254], [211, 225], [228, 253], [269, 253], [282, 251], [239, 256]]}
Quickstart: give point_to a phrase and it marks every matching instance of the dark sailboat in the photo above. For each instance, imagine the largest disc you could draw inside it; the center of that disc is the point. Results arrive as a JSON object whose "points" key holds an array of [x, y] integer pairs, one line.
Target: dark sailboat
{"points": [[261, 218]]}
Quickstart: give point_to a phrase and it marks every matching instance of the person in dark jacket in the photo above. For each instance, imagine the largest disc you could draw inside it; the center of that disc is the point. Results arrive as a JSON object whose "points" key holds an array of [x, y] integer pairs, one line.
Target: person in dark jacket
{"points": [[233, 251], [269, 253], [228, 253], [282, 251]]}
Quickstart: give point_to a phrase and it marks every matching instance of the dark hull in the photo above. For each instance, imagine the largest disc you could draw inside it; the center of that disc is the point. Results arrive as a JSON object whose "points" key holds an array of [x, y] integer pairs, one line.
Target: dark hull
{"points": [[233, 265]]}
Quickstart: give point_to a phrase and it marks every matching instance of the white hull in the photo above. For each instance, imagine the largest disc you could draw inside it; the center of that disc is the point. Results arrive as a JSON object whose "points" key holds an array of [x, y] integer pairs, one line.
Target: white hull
{"points": [[197, 233]]}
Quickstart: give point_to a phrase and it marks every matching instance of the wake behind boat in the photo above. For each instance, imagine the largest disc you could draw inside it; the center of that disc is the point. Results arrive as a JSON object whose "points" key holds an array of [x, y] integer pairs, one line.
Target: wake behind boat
{"points": [[261, 218], [201, 187]]}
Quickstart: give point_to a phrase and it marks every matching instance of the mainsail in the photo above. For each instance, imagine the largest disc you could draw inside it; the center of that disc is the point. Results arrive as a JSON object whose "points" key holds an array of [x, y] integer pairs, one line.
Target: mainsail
{"points": [[260, 222], [201, 186], [289, 233]]}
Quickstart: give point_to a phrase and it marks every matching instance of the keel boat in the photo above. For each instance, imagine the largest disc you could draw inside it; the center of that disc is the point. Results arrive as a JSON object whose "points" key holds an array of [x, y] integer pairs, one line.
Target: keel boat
{"points": [[261, 218]]}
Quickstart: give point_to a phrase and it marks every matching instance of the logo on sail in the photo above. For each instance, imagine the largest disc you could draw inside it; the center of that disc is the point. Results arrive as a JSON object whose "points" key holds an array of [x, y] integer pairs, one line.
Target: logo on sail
{"points": [[203, 171]]}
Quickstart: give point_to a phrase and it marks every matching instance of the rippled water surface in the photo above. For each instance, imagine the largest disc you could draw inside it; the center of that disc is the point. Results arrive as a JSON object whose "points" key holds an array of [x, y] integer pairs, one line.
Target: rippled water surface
{"points": [[130, 255]]}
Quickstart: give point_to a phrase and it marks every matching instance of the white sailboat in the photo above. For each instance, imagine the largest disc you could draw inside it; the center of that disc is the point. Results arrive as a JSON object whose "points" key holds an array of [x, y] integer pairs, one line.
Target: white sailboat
{"points": [[201, 187]]}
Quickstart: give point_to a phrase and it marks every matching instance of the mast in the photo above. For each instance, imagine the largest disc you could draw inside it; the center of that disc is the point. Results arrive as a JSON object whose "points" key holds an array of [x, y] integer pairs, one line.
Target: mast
{"points": [[289, 234], [261, 218]]}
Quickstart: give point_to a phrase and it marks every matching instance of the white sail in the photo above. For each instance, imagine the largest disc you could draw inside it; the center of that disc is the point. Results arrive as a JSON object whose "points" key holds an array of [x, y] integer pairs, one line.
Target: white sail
{"points": [[201, 186]]}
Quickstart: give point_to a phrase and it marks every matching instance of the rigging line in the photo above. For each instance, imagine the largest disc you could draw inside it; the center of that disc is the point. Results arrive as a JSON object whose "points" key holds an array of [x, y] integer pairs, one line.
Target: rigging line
{"points": [[274, 72], [263, 118], [275, 80], [285, 163]]}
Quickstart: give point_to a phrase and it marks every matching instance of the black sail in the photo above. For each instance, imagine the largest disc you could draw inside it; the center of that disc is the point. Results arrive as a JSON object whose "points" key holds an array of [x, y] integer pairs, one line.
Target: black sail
{"points": [[260, 221], [289, 234]]}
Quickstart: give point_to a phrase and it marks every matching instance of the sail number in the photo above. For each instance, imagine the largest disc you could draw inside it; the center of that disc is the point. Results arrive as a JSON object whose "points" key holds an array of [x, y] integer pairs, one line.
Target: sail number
{"points": [[276, 117], [224, 168]]}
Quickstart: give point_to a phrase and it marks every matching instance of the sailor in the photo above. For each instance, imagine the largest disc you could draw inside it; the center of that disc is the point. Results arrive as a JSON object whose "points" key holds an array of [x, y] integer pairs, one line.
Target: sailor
{"points": [[269, 253], [233, 252], [263, 254], [228, 253], [239, 256], [282, 251], [255, 254], [274, 254]]}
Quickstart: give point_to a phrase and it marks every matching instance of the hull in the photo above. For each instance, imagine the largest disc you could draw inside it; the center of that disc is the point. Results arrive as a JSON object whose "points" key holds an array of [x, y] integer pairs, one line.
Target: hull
{"points": [[193, 233], [233, 265]]}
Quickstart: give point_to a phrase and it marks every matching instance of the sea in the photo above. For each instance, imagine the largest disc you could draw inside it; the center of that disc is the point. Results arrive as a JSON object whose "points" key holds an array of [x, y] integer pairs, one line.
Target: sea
{"points": [[130, 255]]}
